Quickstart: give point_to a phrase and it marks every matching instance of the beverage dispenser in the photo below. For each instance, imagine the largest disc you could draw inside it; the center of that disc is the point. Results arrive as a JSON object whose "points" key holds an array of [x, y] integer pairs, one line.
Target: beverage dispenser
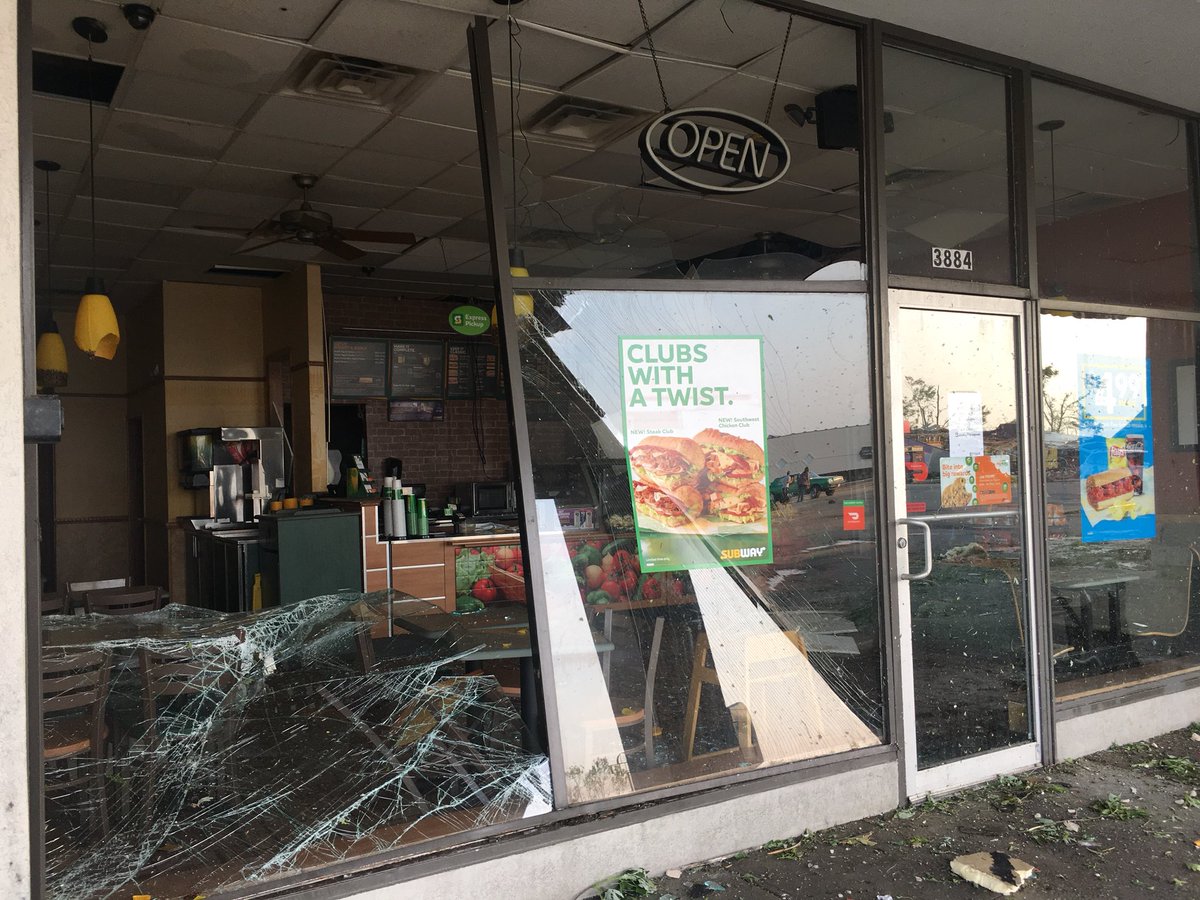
{"points": [[243, 469]]}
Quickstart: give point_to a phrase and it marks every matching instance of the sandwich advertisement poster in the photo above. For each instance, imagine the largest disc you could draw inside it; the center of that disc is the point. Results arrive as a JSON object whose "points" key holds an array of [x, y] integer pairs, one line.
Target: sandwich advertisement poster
{"points": [[695, 438], [1116, 449]]}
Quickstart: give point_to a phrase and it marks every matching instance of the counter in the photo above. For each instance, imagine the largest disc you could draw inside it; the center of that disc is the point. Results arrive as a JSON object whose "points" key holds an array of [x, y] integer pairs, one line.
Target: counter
{"points": [[426, 567]]}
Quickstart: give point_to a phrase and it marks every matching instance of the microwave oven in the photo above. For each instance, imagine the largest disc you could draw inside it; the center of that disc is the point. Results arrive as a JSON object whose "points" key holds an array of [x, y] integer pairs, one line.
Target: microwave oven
{"points": [[484, 498]]}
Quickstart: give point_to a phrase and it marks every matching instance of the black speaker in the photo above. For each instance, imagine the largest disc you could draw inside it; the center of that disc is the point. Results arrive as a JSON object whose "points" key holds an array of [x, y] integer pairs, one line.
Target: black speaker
{"points": [[837, 119]]}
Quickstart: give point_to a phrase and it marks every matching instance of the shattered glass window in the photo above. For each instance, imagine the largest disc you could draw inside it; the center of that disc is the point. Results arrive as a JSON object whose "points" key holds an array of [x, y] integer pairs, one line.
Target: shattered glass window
{"points": [[712, 581], [188, 750]]}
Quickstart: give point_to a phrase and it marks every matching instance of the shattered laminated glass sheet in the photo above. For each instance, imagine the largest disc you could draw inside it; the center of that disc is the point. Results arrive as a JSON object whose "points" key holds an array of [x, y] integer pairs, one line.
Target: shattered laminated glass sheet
{"points": [[272, 742], [704, 669]]}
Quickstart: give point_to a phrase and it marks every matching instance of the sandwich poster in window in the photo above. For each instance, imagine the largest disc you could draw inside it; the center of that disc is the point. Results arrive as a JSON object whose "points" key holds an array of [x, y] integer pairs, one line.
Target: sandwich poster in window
{"points": [[695, 438], [1116, 449]]}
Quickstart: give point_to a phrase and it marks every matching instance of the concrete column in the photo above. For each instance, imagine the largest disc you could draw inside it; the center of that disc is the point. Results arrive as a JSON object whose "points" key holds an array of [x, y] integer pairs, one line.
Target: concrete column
{"points": [[15, 838]]}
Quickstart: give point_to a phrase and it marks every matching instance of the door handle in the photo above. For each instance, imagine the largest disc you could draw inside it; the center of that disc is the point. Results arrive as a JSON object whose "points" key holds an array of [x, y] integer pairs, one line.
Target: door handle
{"points": [[924, 573]]}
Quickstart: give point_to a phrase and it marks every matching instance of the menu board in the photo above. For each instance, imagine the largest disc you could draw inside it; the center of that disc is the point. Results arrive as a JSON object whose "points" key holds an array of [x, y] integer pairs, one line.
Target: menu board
{"points": [[358, 368], [479, 358], [418, 370]]}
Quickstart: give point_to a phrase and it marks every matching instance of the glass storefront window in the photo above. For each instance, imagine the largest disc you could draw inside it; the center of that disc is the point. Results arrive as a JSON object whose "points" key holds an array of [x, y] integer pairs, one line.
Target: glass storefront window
{"points": [[708, 609], [583, 197], [947, 170], [1122, 516], [1115, 219]]}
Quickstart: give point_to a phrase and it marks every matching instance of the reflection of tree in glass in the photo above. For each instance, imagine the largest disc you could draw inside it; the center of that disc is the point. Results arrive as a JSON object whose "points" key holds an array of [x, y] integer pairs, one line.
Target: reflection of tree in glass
{"points": [[922, 404], [1092, 383], [1060, 412]]}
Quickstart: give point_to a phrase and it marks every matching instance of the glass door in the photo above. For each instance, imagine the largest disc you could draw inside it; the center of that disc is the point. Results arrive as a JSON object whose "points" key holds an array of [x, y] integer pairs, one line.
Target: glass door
{"points": [[958, 461]]}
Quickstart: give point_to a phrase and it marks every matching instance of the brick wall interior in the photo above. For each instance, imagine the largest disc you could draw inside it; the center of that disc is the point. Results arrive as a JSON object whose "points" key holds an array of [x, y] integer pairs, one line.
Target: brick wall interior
{"points": [[437, 454]]}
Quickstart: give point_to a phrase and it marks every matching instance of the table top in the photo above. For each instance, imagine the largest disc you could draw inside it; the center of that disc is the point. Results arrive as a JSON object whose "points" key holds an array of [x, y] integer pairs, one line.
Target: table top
{"points": [[1078, 579]]}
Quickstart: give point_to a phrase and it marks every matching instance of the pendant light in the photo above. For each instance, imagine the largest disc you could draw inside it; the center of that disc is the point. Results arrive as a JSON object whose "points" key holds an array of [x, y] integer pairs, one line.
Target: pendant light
{"points": [[522, 302], [96, 331], [51, 352]]}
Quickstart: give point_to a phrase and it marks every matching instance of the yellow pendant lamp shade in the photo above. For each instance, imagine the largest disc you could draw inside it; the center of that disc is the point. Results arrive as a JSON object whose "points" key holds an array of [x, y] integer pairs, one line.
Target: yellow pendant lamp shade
{"points": [[96, 330], [522, 303], [51, 359]]}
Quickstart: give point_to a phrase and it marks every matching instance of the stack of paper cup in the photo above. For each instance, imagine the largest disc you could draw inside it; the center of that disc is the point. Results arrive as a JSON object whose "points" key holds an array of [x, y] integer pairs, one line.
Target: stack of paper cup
{"points": [[397, 504], [389, 490]]}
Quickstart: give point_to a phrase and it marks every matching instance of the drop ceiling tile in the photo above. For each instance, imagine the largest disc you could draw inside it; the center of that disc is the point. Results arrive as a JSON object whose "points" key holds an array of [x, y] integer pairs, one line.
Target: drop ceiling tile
{"points": [[401, 220], [348, 216], [118, 212], [607, 168], [619, 23], [281, 154], [386, 168], [465, 180], [59, 204], [214, 56], [249, 180], [109, 254], [71, 155], [139, 191], [153, 168], [393, 32], [424, 139], [126, 234], [234, 208], [632, 81], [444, 251], [918, 83], [190, 246], [280, 250], [819, 59], [832, 231], [354, 193], [473, 230], [446, 100], [52, 30], [439, 203], [541, 58], [56, 117], [162, 95], [291, 19], [717, 31], [829, 170], [310, 120], [156, 134]]}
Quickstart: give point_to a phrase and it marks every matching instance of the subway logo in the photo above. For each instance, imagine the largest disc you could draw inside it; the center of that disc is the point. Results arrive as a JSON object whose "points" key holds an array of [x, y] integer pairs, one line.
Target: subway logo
{"points": [[744, 553]]}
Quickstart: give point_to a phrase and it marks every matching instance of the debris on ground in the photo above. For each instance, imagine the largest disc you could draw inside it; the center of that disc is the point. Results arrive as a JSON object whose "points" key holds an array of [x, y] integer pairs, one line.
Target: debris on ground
{"points": [[997, 872]]}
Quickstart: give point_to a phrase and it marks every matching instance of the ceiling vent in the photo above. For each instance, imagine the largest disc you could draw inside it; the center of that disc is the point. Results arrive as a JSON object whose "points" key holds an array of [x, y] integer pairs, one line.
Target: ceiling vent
{"points": [[351, 79], [581, 121], [69, 76]]}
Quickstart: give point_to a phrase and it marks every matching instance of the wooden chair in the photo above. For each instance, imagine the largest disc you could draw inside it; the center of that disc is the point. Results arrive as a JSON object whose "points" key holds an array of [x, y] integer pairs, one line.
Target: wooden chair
{"points": [[74, 692], [193, 674], [56, 604], [644, 716], [122, 601], [75, 589], [702, 674]]}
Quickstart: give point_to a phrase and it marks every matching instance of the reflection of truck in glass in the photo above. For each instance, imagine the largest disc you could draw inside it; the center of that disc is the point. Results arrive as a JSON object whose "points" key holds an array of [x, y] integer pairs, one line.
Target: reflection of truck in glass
{"points": [[785, 487]]}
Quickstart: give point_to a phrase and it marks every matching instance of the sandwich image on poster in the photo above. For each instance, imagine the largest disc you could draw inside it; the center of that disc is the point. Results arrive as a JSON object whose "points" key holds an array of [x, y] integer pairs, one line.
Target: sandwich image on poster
{"points": [[695, 433]]}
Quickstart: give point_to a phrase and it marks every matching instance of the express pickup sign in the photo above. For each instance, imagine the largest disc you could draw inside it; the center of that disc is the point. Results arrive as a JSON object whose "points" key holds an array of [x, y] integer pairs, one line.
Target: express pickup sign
{"points": [[714, 151]]}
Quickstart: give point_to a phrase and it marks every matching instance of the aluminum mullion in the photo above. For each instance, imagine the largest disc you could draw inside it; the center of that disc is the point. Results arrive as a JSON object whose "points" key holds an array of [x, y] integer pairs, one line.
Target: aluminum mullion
{"points": [[490, 162]]}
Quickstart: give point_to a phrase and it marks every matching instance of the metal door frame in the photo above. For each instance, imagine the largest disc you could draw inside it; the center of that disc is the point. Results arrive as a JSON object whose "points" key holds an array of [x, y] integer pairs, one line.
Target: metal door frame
{"points": [[983, 766]]}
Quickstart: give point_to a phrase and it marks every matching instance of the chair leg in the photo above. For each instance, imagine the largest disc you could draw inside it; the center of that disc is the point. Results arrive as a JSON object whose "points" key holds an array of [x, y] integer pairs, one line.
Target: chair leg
{"points": [[692, 715], [648, 703]]}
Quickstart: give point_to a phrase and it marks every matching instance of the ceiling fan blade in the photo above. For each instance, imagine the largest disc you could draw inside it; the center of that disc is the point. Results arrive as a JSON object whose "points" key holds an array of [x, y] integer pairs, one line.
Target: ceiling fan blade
{"points": [[335, 245], [225, 229], [377, 237]]}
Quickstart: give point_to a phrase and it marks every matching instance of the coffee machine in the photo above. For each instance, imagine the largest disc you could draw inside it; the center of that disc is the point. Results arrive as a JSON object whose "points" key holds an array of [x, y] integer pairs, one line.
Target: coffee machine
{"points": [[243, 469]]}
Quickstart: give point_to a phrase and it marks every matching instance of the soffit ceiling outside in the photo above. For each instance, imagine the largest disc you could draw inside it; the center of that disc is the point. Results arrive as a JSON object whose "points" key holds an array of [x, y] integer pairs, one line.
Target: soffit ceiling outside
{"points": [[204, 130]]}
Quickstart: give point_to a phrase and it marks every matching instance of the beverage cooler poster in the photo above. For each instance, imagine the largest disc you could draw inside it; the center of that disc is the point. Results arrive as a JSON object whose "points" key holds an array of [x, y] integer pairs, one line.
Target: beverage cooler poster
{"points": [[695, 436], [1116, 449]]}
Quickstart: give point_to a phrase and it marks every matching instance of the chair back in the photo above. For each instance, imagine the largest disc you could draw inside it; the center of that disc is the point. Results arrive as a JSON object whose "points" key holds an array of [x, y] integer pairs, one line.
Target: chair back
{"points": [[122, 601], [56, 604], [75, 589], [75, 684], [192, 672]]}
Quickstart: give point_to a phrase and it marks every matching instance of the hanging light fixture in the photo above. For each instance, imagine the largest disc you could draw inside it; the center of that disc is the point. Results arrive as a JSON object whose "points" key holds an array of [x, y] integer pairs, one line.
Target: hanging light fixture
{"points": [[51, 354], [522, 302], [96, 331]]}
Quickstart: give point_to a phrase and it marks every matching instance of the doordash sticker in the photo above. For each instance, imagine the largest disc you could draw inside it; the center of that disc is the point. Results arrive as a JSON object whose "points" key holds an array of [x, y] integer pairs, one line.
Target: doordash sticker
{"points": [[854, 515]]}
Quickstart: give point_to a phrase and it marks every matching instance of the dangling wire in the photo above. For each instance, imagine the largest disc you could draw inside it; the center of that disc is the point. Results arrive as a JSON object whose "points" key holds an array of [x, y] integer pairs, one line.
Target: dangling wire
{"points": [[512, 127], [92, 151], [779, 71], [653, 55]]}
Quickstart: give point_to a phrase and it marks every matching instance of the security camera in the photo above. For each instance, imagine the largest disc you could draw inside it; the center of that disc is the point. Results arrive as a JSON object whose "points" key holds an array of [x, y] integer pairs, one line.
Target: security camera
{"points": [[138, 15]]}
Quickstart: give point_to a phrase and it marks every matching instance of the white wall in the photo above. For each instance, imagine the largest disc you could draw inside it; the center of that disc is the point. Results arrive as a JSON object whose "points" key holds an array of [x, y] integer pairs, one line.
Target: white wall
{"points": [[14, 791]]}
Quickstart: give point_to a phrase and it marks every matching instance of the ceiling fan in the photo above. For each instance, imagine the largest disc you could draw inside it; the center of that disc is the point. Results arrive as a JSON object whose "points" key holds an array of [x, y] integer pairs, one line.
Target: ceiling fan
{"points": [[305, 225]]}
